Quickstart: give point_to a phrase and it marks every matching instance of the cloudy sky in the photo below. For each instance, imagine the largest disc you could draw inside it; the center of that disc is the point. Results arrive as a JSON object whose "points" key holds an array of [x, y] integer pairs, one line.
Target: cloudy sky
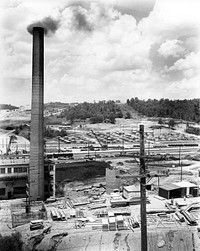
{"points": [[103, 49]]}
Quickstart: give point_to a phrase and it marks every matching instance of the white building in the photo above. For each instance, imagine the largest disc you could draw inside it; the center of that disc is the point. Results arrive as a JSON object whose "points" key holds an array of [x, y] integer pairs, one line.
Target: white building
{"points": [[130, 192], [18, 143]]}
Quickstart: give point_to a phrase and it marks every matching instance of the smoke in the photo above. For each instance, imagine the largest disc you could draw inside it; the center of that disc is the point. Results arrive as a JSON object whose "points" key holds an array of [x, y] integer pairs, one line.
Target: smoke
{"points": [[82, 18], [80, 21], [95, 17], [49, 25]]}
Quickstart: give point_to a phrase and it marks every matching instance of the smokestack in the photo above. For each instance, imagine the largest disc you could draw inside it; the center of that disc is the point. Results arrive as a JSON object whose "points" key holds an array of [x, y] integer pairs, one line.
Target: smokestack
{"points": [[36, 166]]}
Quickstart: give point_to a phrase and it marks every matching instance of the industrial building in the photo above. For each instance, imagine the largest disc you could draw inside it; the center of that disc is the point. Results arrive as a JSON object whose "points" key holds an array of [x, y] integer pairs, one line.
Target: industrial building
{"points": [[178, 190], [14, 178], [131, 192], [11, 143]]}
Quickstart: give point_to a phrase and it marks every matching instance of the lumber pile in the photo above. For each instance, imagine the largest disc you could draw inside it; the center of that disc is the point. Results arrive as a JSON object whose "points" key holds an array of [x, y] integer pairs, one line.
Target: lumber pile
{"points": [[105, 224], [120, 222], [112, 224]]}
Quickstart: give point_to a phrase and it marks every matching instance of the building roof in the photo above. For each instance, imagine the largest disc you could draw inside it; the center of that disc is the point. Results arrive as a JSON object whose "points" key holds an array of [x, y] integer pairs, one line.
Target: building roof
{"points": [[153, 180], [170, 187], [185, 184], [111, 219], [132, 188]]}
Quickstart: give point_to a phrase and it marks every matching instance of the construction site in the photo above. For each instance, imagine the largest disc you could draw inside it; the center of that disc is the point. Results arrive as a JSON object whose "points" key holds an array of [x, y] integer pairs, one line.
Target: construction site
{"points": [[96, 201], [100, 188]]}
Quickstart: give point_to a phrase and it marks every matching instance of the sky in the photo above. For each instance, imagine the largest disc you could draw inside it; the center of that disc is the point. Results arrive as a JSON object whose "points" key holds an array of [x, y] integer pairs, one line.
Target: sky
{"points": [[102, 49]]}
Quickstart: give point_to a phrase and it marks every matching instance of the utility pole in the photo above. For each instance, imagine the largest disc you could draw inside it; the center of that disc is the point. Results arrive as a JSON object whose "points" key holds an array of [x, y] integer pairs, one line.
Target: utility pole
{"points": [[28, 202], [143, 192], [179, 155], [58, 145], [181, 172]]}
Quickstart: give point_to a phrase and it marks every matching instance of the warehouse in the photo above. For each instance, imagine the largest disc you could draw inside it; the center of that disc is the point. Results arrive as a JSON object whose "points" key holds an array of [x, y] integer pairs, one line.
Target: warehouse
{"points": [[169, 191], [178, 190], [188, 188]]}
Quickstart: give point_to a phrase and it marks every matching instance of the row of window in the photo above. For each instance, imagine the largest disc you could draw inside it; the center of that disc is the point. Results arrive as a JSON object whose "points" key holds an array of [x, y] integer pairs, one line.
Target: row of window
{"points": [[2, 191], [15, 170], [22, 190], [21, 169], [16, 190]]}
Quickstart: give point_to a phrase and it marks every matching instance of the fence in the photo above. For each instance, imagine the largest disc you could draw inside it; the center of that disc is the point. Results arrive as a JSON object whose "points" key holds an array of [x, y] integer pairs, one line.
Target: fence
{"points": [[20, 217]]}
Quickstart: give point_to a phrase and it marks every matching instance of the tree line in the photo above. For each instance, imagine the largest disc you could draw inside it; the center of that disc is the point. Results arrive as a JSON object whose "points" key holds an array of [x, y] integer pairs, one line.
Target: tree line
{"points": [[178, 109], [99, 112]]}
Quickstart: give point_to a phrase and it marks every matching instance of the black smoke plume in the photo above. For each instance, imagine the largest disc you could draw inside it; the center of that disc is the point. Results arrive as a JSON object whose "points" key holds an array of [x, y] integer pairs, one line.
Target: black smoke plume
{"points": [[48, 24]]}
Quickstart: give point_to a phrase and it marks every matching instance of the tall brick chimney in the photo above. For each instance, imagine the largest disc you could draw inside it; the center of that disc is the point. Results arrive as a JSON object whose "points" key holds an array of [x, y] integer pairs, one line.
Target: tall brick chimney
{"points": [[36, 166]]}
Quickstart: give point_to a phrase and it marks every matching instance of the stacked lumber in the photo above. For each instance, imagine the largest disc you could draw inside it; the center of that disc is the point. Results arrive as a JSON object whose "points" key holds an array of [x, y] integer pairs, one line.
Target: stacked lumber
{"points": [[105, 224], [112, 224], [96, 206], [120, 222], [117, 200], [111, 214], [179, 216], [189, 217], [96, 226]]}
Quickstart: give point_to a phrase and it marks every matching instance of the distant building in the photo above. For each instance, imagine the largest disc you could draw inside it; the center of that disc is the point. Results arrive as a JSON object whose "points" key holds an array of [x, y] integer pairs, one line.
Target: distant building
{"points": [[14, 177], [73, 104], [18, 144]]}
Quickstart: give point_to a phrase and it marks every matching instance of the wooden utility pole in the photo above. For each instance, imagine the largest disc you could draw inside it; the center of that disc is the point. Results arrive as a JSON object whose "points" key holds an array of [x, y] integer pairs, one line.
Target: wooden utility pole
{"points": [[181, 172], [143, 192]]}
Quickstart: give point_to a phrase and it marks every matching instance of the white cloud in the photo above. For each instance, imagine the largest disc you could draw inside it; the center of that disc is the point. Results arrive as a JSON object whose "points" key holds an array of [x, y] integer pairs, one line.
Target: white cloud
{"points": [[100, 51], [190, 65], [187, 88], [172, 48]]}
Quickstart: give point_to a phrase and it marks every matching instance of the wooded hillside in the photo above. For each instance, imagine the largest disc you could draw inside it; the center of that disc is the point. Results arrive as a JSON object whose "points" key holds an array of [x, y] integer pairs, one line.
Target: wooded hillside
{"points": [[177, 109], [8, 107], [96, 112]]}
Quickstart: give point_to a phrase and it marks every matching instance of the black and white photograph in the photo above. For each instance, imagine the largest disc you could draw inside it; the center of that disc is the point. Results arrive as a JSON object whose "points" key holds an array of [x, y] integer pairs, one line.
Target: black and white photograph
{"points": [[100, 125]]}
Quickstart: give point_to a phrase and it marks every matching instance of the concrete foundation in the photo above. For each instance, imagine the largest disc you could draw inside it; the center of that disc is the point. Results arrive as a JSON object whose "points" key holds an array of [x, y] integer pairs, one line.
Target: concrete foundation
{"points": [[111, 181]]}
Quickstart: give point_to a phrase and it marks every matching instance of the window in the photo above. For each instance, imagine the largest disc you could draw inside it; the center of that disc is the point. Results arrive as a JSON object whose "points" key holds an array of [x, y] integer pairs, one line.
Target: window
{"points": [[19, 190], [2, 191], [9, 170], [20, 169], [3, 170], [16, 169]]}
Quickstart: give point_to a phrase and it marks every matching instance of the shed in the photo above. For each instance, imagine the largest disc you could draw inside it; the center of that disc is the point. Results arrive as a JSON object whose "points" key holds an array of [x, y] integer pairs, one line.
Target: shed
{"points": [[169, 191], [153, 182], [187, 188], [132, 191]]}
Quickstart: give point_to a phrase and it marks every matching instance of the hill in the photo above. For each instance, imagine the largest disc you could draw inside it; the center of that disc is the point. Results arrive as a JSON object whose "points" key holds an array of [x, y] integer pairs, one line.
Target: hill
{"points": [[97, 112], [56, 105], [8, 107], [177, 109]]}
